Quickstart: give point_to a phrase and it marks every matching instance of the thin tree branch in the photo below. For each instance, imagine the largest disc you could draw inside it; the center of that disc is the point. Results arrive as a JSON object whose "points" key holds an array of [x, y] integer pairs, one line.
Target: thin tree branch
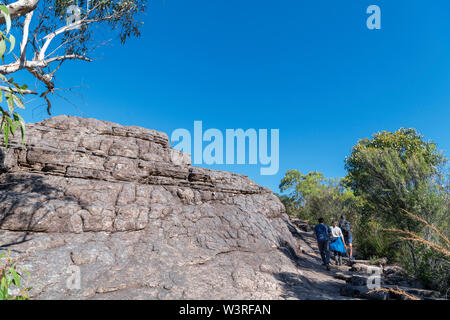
{"points": [[3, 88]]}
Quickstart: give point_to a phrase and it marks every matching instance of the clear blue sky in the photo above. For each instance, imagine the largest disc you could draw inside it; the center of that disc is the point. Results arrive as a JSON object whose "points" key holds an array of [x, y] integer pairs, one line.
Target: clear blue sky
{"points": [[310, 68]]}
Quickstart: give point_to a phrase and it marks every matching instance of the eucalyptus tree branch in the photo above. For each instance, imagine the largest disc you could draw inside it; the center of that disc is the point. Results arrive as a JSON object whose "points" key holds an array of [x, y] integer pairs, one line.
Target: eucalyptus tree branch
{"points": [[77, 24], [20, 8], [44, 59], [26, 28], [17, 65]]}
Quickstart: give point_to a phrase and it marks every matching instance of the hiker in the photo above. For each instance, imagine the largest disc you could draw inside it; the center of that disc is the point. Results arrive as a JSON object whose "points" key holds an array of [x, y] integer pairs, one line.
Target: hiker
{"points": [[346, 228], [337, 243], [322, 234]]}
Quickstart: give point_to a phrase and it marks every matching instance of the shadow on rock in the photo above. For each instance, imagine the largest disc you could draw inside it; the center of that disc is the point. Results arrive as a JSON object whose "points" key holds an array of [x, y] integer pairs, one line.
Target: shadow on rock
{"points": [[21, 197]]}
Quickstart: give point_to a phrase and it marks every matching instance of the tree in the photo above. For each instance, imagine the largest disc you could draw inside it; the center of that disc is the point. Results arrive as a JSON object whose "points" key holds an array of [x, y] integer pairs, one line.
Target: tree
{"points": [[398, 172], [53, 32], [395, 171], [312, 196]]}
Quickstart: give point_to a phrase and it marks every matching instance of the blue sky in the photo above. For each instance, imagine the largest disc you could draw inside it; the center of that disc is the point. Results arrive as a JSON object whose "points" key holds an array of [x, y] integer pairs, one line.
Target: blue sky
{"points": [[309, 68]]}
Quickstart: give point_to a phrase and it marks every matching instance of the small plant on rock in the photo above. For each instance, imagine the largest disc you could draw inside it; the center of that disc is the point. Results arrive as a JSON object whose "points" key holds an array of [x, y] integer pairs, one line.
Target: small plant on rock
{"points": [[10, 280]]}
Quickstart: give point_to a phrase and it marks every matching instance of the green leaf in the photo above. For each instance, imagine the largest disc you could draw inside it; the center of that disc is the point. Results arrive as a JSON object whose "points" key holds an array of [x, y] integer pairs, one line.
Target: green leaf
{"points": [[10, 100], [25, 269], [16, 279], [18, 101], [2, 48], [10, 125], [3, 283], [5, 136], [13, 126], [12, 41], [18, 118], [5, 11]]}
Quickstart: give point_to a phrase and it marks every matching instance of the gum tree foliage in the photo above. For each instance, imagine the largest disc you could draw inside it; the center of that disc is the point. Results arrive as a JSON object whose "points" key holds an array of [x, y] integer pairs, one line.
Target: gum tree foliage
{"points": [[10, 91], [396, 171], [312, 196], [50, 33], [399, 170]]}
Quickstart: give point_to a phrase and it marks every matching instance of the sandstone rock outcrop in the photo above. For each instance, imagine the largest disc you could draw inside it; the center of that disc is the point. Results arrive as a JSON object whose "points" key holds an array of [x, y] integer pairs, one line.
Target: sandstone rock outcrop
{"points": [[137, 220]]}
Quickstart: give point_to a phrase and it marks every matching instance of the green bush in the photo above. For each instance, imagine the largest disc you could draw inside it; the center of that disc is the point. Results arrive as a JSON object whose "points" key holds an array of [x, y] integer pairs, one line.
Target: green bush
{"points": [[429, 261], [10, 280], [433, 269], [372, 242]]}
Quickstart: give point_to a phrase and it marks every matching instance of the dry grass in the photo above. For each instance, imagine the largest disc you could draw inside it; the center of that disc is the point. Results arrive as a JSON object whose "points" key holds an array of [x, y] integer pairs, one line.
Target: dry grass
{"points": [[430, 226], [410, 236], [397, 292]]}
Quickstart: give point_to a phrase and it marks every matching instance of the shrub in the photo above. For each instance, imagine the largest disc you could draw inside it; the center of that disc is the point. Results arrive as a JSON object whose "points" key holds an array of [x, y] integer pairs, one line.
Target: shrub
{"points": [[10, 280], [372, 242], [431, 261]]}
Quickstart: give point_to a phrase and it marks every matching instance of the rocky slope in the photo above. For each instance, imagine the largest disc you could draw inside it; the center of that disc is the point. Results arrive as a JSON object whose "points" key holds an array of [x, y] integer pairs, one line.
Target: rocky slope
{"points": [[139, 222]]}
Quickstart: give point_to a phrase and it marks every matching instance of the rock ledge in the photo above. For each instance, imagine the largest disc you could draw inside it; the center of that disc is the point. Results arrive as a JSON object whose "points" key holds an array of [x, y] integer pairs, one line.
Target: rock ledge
{"points": [[136, 218]]}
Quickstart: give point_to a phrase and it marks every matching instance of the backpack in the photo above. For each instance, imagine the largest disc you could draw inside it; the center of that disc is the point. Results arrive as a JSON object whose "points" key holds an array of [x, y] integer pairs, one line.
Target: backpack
{"points": [[346, 228]]}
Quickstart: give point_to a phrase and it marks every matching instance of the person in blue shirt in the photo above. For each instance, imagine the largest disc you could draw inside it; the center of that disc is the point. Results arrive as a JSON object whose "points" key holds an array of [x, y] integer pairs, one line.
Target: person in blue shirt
{"points": [[322, 234]]}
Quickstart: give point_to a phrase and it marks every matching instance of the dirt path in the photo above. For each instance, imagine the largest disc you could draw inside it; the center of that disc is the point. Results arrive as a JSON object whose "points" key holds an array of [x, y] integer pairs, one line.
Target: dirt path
{"points": [[314, 282]]}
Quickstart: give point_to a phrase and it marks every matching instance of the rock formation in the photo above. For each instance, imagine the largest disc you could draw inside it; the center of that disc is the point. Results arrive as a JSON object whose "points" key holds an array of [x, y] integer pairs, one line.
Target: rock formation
{"points": [[138, 221]]}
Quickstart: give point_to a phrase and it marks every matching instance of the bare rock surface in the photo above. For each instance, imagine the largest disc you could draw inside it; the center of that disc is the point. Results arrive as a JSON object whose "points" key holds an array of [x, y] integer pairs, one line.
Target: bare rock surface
{"points": [[139, 222]]}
